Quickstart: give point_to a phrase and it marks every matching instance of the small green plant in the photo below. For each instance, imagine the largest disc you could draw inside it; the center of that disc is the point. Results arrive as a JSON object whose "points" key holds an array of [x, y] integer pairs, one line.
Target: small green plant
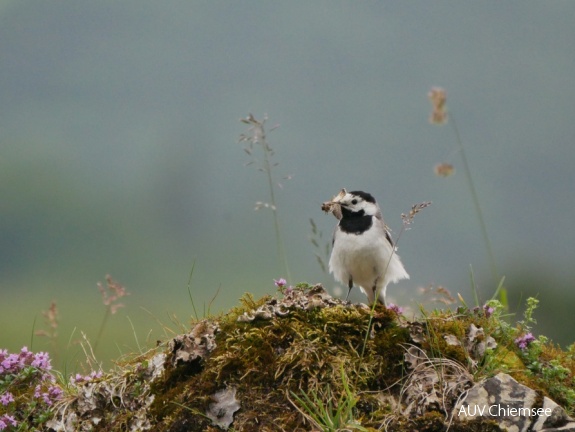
{"points": [[532, 304], [562, 382], [256, 136], [550, 367], [322, 413]]}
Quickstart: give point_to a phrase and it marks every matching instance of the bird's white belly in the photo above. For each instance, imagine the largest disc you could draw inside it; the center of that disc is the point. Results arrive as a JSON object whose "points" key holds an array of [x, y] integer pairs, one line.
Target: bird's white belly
{"points": [[368, 260], [360, 257]]}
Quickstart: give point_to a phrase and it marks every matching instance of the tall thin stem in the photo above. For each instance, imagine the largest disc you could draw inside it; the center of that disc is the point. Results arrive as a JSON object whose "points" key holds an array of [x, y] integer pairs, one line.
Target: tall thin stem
{"points": [[407, 220], [102, 327], [372, 308], [268, 169], [475, 198]]}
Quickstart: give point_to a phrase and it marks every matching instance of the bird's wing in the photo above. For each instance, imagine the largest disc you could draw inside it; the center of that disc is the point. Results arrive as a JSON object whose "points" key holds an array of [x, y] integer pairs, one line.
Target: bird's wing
{"points": [[380, 224], [334, 235]]}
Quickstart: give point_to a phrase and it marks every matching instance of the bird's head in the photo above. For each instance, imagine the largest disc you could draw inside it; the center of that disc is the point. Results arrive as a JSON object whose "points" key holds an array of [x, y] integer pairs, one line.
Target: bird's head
{"points": [[356, 201]]}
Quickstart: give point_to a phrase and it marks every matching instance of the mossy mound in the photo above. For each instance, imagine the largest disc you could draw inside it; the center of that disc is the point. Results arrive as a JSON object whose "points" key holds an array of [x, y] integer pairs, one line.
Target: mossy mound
{"points": [[269, 350], [298, 361]]}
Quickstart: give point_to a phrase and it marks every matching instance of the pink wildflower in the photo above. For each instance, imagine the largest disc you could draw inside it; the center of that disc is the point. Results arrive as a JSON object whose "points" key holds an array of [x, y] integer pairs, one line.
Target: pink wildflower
{"points": [[6, 398], [280, 283], [42, 361], [7, 420], [397, 309], [523, 341], [488, 310], [10, 363]]}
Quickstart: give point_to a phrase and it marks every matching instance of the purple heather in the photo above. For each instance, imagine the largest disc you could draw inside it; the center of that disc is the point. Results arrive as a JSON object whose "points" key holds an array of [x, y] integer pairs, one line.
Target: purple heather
{"points": [[42, 361], [280, 283], [397, 309], [523, 341], [7, 420], [6, 398], [488, 310]]}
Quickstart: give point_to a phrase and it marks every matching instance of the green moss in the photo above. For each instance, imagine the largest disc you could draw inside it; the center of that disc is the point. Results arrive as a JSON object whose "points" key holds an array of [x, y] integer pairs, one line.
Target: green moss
{"points": [[267, 359]]}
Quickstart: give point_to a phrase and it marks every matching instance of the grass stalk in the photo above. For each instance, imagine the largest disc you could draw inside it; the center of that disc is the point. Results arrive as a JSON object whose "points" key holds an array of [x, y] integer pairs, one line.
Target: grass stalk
{"points": [[190, 290], [257, 135], [475, 199], [321, 411], [407, 220], [110, 297], [372, 309], [279, 240], [102, 327], [439, 116]]}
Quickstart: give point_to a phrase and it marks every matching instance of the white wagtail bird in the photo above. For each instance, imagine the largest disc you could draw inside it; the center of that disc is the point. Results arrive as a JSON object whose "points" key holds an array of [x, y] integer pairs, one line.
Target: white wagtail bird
{"points": [[363, 252]]}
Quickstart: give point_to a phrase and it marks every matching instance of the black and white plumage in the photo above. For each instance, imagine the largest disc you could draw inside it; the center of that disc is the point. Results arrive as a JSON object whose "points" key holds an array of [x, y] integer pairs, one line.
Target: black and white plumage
{"points": [[363, 252]]}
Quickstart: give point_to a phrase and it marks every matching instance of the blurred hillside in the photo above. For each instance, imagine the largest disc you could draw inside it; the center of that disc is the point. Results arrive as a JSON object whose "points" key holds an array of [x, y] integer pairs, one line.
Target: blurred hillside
{"points": [[119, 154]]}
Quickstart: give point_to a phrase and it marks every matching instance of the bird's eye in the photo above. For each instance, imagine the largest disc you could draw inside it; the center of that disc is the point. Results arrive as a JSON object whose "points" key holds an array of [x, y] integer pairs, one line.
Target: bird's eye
{"points": [[354, 201]]}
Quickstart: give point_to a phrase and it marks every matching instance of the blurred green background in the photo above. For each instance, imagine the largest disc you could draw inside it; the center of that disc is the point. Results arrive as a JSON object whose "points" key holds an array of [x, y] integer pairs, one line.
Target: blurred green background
{"points": [[118, 152]]}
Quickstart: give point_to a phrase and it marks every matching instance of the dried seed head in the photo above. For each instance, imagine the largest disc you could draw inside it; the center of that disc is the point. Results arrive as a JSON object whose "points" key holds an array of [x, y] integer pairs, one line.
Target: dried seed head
{"points": [[416, 208], [444, 169], [438, 99], [115, 292]]}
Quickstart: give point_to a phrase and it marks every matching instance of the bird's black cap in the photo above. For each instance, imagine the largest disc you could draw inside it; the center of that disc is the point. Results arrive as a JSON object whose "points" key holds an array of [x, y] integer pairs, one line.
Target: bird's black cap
{"points": [[366, 197]]}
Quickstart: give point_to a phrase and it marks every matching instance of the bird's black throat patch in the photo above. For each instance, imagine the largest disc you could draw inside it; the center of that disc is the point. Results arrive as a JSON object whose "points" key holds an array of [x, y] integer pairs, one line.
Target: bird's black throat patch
{"points": [[354, 222]]}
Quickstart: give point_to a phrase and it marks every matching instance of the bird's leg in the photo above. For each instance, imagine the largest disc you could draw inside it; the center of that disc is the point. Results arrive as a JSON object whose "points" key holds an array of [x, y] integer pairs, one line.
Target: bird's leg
{"points": [[350, 286], [378, 296]]}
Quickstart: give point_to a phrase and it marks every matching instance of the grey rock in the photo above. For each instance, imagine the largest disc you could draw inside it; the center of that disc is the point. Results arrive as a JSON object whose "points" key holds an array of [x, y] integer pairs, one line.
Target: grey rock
{"points": [[513, 405], [558, 420], [294, 299], [221, 412], [195, 345]]}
